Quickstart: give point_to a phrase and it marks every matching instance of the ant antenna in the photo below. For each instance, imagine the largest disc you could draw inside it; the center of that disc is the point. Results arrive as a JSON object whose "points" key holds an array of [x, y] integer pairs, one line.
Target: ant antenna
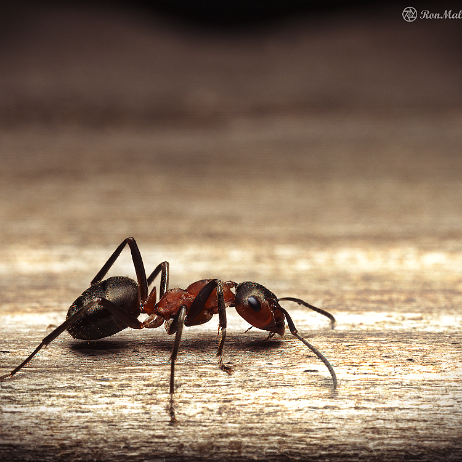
{"points": [[295, 333], [314, 308]]}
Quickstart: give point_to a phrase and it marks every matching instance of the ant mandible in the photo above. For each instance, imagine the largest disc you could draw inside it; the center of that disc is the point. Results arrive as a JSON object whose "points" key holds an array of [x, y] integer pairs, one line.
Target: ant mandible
{"points": [[111, 305]]}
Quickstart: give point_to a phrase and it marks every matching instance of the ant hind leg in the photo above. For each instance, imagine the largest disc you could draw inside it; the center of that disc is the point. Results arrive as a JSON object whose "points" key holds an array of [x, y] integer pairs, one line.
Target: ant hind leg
{"points": [[125, 317], [137, 263]]}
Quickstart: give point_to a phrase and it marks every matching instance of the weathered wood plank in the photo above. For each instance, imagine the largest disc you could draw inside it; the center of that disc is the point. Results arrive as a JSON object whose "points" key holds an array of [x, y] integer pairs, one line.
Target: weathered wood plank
{"points": [[399, 395]]}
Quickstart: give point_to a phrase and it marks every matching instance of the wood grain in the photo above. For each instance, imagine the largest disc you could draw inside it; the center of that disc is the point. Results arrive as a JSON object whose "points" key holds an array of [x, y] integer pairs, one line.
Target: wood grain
{"points": [[396, 354], [332, 174]]}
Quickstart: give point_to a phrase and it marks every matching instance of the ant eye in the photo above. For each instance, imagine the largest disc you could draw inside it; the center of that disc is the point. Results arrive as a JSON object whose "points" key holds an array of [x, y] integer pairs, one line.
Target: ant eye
{"points": [[254, 303]]}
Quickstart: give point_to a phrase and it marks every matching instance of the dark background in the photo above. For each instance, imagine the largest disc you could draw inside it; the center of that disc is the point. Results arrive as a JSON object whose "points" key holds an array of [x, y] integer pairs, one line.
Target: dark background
{"points": [[138, 62]]}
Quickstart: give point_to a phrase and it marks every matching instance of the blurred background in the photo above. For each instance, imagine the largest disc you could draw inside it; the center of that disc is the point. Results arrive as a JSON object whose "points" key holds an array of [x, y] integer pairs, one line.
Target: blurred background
{"points": [[235, 125]]}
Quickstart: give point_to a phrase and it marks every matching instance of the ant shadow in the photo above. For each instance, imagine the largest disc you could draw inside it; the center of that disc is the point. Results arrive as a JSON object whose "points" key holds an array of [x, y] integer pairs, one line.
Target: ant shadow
{"points": [[263, 344], [205, 344], [107, 347]]}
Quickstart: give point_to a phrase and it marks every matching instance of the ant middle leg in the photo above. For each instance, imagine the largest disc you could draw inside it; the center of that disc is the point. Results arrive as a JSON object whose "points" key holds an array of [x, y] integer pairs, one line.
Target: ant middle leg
{"points": [[162, 268], [175, 327], [198, 305], [149, 305], [222, 323]]}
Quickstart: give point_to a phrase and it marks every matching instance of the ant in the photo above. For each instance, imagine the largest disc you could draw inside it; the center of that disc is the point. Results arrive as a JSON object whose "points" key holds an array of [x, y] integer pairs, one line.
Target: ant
{"points": [[111, 305]]}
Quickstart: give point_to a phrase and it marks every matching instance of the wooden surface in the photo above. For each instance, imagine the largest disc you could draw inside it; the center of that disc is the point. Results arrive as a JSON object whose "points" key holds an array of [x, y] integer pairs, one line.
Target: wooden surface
{"points": [[357, 211]]}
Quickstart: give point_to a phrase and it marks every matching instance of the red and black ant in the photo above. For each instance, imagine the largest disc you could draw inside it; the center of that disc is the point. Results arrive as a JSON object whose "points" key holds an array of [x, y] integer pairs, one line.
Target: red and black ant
{"points": [[111, 305]]}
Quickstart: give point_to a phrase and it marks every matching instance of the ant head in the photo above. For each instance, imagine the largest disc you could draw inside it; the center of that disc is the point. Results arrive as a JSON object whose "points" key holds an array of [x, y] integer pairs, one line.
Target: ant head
{"points": [[259, 307]]}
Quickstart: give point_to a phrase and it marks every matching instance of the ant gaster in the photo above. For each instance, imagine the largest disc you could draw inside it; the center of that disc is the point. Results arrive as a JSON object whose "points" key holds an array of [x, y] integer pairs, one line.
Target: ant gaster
{"points": [[111, 305]]}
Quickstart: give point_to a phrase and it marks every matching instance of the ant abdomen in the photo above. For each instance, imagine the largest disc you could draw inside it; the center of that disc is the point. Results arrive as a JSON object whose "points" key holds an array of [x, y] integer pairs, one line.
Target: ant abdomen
{"points": [[97, 321]]}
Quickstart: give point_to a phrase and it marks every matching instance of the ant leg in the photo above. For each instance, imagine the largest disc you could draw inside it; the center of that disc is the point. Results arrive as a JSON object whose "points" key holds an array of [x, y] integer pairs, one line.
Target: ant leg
{"points": [[164, 278], [201, 299], [269, 337], [197, 306], [222, 323], [295, 333], [177, 328], [137, 263], [318, 310], [125, 317], [150, 303], [122, 315]]}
